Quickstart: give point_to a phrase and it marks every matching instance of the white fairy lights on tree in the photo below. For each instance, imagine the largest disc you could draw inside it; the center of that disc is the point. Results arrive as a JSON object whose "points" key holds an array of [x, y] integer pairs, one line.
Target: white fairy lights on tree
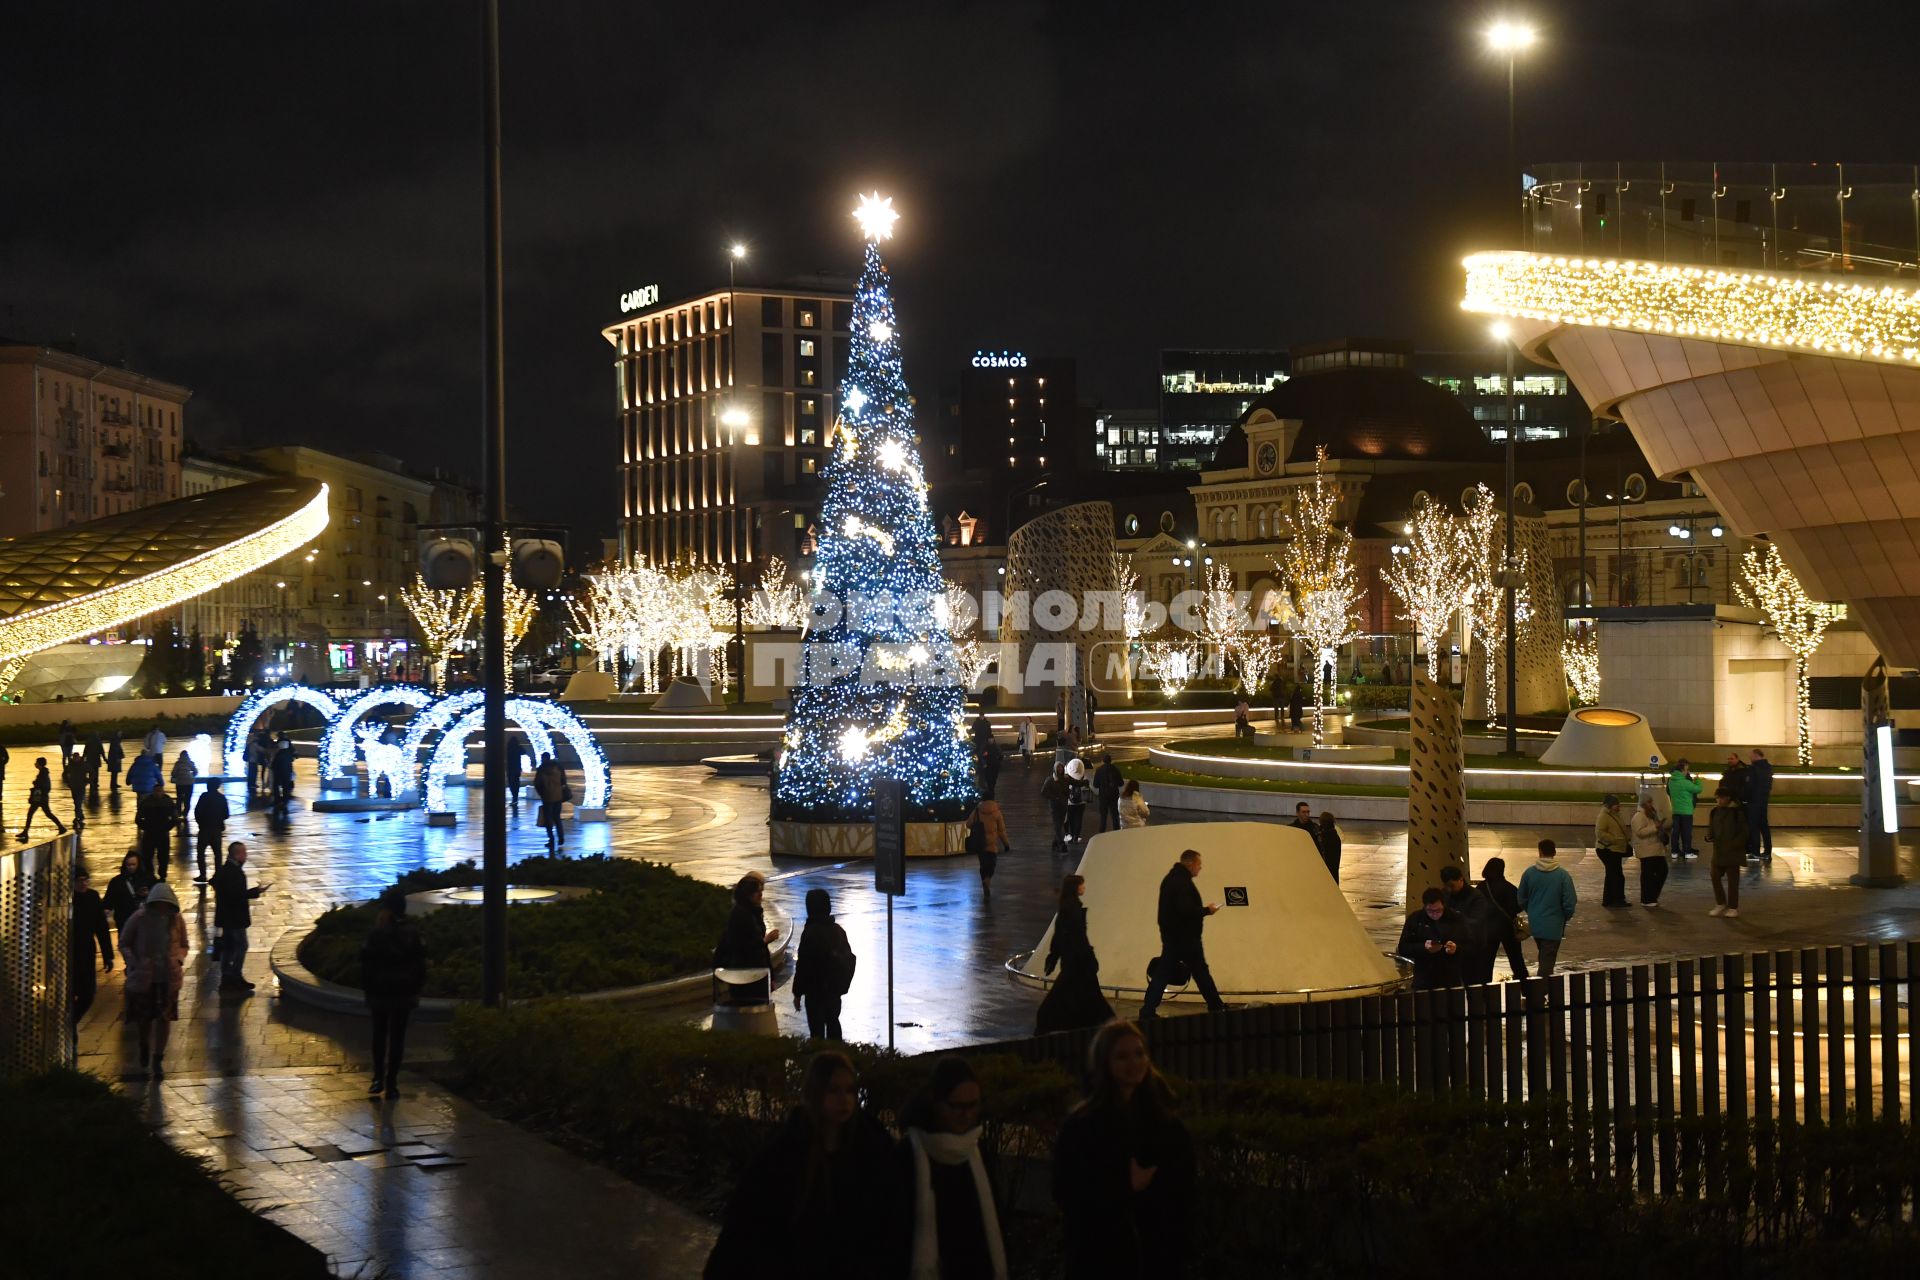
{"points": [[1316, 571], [600, 618], [443, 617], [777, 604], [1483, 546], [1170, 664], [1580, 655], [1427, 575], [1220, 617], [1800, 621], [1133, 605]]}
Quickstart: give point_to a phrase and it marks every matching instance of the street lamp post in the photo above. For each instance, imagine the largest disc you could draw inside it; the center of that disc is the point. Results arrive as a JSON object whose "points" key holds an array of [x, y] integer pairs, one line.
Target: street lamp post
{"points": [[493, 435], [1512, 39], [1505, 337], [737, 420]]}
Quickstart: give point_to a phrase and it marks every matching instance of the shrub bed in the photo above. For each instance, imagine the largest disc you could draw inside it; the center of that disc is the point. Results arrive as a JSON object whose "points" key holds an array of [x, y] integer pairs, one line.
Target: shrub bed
{"points": [[1296, 1177], [645, 922], [90, 1189]]}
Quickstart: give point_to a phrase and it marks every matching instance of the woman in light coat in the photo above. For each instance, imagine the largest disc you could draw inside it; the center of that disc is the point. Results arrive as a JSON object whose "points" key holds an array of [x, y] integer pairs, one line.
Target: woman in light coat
{"points": [[154, 946], [1133, 805], [1649, 850]]}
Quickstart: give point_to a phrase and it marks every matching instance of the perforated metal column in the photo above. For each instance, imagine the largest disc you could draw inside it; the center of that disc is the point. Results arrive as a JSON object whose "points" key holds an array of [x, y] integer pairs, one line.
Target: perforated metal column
{"points": [[36, 927]]}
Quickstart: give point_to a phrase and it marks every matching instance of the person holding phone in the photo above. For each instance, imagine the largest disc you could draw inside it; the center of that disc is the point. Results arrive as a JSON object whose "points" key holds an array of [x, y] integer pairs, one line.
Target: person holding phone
{"points": [[1181, 916], [1433, 939], [233, 915]]}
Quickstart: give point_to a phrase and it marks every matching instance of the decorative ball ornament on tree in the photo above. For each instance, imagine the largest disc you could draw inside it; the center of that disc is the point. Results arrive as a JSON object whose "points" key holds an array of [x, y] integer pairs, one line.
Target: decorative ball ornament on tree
{"points": [[881, 692]]}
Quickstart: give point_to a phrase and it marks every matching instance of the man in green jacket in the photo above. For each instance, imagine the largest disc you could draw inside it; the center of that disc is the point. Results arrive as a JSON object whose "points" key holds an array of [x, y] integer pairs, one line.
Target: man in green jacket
{"points": [[1683, 789]]}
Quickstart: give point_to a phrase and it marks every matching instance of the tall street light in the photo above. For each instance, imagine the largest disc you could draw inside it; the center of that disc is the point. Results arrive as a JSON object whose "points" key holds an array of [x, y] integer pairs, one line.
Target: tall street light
{"points": [[737, 421], [1504, 336], [493, 438], [1511, 38]]}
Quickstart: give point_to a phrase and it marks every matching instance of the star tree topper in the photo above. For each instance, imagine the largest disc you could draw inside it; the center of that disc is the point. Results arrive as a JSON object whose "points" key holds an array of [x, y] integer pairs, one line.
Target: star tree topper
{"points": [[876, 216]]}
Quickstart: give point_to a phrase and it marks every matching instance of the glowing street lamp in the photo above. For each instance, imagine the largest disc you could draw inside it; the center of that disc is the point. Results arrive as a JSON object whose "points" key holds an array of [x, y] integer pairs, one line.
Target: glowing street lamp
{"points": [[1503, 334], [1511, 38]]}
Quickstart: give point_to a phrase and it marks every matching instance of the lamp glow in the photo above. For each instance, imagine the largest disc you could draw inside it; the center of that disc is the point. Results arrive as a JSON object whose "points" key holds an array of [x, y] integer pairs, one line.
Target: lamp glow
{"points": [[876, 216], [1510, 37]]}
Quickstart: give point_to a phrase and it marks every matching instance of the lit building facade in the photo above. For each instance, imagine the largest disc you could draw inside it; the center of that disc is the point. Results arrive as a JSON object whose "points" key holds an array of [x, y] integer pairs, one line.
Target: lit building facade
{"points": [[1127, 440], [1016, 416], [80, 439], [725, 401], [1203, 394]]}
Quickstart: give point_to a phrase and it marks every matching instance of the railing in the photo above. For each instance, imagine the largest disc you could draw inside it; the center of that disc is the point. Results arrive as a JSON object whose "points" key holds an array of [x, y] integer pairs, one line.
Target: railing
{"points": [[36, 923], [1646, 1056], [1860, 219]]}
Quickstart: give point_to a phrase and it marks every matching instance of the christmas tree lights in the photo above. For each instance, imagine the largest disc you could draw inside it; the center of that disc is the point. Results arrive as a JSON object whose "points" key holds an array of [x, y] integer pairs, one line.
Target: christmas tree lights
{"points": [[1580, 655], [1316, 571], [443, 617], [880, 692], [1427, 575], [1483, 550], [1800, 621]]}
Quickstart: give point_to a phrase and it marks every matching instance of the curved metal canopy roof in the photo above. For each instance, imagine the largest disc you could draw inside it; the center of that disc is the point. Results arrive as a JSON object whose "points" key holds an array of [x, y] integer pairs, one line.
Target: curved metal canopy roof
{"points": [[66, 584]]}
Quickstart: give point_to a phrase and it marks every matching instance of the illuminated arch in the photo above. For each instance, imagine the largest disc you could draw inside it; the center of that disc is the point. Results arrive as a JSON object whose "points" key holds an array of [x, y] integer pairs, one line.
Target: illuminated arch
{"points": [[339, 747], [436, 719], [536, 720], [257, 704]]}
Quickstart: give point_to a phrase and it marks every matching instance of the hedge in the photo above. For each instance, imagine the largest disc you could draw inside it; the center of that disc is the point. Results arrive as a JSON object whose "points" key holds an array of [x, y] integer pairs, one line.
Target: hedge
{"points": [[1297, 1177]]}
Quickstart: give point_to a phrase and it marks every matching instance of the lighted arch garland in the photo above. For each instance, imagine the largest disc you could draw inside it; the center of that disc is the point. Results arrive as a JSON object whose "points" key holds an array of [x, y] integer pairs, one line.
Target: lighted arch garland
{"points": [[339, 748], [536, 719], [257, 704]]}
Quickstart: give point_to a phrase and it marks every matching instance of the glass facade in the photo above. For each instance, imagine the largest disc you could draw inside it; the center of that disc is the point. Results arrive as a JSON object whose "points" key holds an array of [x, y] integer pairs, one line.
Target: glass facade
{"points": [[1204, 393]]}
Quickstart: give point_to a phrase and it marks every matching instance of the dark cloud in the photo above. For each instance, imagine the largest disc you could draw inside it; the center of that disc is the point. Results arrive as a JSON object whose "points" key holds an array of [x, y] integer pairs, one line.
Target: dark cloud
{"points": [[278, 204]]}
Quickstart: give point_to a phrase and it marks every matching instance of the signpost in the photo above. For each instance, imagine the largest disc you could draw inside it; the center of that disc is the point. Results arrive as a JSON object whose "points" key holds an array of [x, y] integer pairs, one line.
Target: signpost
{"points": [[889, 862]]}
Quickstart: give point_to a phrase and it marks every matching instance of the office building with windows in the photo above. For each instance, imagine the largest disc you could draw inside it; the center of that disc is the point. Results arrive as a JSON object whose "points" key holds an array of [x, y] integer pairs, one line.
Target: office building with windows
{"points": [[1204, 393], [725, 401], [80, 439], [1545, 404], [1127, 439], [1014, 416]]}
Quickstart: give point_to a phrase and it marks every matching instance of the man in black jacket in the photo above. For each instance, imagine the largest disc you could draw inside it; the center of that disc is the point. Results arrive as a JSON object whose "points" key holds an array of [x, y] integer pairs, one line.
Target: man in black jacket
{"points": [[1182, 915], [233, 915], [210, 814], [1485, 927], [1432, 939], [1106, 784]]}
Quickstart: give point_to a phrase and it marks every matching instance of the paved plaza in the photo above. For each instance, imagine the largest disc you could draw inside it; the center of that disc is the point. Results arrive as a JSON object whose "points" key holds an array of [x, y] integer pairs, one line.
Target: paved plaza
{"points": [[271, 1092]]}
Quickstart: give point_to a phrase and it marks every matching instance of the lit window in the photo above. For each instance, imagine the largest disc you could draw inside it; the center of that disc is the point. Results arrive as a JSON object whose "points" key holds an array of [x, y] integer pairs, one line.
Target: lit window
{"points": [[806, 346], [806, 319]]}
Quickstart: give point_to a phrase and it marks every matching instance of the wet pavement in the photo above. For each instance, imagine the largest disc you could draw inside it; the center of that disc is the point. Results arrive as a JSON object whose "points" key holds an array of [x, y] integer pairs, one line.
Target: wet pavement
{"points": [[272, 1092]]}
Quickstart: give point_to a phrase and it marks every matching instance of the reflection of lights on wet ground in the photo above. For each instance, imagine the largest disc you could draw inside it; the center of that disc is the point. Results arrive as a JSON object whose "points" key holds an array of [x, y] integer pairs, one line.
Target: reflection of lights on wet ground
{"points": [[515, 893]]}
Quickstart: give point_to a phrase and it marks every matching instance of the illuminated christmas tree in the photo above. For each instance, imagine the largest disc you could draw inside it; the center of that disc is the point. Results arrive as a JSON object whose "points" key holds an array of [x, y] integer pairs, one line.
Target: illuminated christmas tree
{"points": [[880, 694]]}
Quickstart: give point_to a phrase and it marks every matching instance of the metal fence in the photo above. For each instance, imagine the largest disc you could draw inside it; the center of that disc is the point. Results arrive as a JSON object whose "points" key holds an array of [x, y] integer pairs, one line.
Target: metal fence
{"points": [[1645, 1056], [36, 927]]}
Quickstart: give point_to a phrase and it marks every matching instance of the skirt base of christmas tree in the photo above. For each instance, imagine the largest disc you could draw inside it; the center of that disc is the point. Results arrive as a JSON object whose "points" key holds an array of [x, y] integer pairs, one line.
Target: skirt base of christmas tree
{"points": [[795, 839]]}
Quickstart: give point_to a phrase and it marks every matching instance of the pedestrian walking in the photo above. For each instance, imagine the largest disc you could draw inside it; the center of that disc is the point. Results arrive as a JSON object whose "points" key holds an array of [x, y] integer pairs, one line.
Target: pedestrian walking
{"points": [[126, 891], [1727, 833], [822, 1199], [94, 754], [1649, 838], [143, 775], [1133, 805], [1547, 895], [1107, 781], [1074, 1000], [1683, 791], [39, 800], [73, 776], [1296, 706], [153, 819], [67, 740], [514, 763], [1432, 939], [981, 732], [1077, 790], [744, 941], [116, 756], [822, 968], [1500, 891], [1612, 845], [184, 775], [3, 777], [89, 929], [550, 785], [1181, 917], [1482, 931], [1327, 835], [154, 948], [987, 762], [233, 916], [955, 1224], [210, 814], [1026, 739], [281, 772], [987, 840], [1054, 791], [1759, 795], [259, 754], [1123, 1168], [155, 743], [393, 969]]}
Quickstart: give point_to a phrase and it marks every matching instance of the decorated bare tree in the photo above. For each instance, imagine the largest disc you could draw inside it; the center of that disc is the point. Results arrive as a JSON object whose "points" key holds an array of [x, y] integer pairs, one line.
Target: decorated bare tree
{"points": [[1133, 605], [1427, 574], [600, 619], [777, 604], [1580, 655], [1484, 555], [1800, 621], [443, 617], [1221, 617], [1316, 571]]}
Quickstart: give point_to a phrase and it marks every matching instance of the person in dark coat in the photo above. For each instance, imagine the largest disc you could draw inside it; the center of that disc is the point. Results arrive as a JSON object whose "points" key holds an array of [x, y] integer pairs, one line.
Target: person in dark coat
{"points": [[1734, 780], [153, 819], [823, 1199], [143, 775], [1759, 796], [954, 1224], [1483, 930], [1431, 939], [1181, 917], [126, 891], [823, 968], [233, 916], [3, 776], [210, 813], [94, 754], [393, 969], [513, 775], [1074, 1000], [1296, 706], [981, 732], [185, 775], [1123, 1171], [89, 928], [73, 776], [39, 800], [1076, 800], [1327, 836], [550, 784], [1107, 781], [281, 770], [987, 761], [116, 756], [1054, 791], [743, 943], [1506, 900], [67, 739], [1303, 821]]}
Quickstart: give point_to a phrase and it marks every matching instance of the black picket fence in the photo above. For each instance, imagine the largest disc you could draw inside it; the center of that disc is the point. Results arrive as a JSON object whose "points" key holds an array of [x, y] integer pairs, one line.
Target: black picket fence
{"points": [[1645, 1058]]}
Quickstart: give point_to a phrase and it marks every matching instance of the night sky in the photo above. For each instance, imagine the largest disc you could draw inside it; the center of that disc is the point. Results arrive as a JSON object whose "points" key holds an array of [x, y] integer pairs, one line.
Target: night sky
{"points": [[277, 204]]}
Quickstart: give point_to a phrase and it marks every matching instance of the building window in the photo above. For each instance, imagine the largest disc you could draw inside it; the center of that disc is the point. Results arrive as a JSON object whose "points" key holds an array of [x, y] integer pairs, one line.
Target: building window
{"points": [[1133, 525], [809, 377], [770, 312], [806, 346], [807, 317]]}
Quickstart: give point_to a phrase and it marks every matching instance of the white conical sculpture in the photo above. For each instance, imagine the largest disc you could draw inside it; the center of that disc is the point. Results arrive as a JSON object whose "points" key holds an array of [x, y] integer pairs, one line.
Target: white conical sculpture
{"points": [[1288, 929]]}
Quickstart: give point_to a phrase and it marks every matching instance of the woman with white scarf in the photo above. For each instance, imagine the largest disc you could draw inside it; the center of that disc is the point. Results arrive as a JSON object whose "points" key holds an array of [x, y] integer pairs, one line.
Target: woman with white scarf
{"points": [[956, 1230]]}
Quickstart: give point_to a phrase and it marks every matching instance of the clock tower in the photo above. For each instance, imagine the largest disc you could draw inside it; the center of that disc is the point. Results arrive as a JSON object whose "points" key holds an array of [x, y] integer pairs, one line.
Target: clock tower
{"points": [[1269, 441]]}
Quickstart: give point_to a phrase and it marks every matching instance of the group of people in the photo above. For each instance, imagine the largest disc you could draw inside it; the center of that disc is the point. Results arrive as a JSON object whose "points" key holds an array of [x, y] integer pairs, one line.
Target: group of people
{"points": [[269, 763], [1461, 927], [1325, 835], [835, 1190]]}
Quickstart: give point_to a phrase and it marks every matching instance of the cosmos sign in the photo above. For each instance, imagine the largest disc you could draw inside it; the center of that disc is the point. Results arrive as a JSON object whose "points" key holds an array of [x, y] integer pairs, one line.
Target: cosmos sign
{"points": [[640, 299], [1003, 360]]}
